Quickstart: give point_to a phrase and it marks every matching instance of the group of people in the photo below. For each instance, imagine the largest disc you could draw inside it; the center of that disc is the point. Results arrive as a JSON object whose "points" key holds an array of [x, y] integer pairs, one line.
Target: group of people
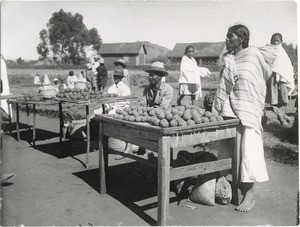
{"points": [[250, 77]]}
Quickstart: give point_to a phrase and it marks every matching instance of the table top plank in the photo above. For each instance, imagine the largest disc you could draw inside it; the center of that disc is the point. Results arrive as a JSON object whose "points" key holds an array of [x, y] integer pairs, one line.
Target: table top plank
{"points": [[170, 130]]}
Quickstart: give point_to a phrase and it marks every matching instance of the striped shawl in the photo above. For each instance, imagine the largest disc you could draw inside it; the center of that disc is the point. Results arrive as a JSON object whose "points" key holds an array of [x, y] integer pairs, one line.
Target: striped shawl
{"points": [[242, 79]]}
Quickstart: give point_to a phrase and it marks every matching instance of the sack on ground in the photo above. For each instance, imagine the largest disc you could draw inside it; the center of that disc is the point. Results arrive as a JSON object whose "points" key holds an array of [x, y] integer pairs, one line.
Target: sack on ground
{"points": [[203, 191], [223, 191]]}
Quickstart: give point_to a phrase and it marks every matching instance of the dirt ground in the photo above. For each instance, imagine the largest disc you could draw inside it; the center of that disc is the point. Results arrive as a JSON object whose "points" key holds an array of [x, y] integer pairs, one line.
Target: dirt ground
{"points": [[53, 187]]}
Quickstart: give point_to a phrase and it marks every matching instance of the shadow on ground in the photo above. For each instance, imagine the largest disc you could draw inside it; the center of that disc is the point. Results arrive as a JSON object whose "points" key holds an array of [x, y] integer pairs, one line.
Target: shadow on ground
{"points": [[128, 183]]}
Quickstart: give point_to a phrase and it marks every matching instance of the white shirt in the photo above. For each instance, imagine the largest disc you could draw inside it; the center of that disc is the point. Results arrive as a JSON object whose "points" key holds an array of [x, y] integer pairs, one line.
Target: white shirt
{"points": [[122, 90], [71, 81]]}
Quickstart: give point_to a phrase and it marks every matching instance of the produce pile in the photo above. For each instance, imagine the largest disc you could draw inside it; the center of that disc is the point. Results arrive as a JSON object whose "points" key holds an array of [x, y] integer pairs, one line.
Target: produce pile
{"points": [[82, 94], [172, 117], [31, 98]]}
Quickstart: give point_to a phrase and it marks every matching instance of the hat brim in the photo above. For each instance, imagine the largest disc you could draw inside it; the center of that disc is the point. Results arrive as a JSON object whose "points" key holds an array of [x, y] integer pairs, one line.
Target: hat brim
{"points": [[162, 72], [116, 63], [116, 74]]}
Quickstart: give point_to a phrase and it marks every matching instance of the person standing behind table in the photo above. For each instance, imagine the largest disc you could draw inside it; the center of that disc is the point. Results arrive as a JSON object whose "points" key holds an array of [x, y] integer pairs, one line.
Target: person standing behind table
{"points": [[244, 67], [81, 77], [95, 65], [158, 93], [281, 83], [37, 79], [71, 79], [190, 73], [90, 78], [56, 84], [121, 62], [101, 75]]}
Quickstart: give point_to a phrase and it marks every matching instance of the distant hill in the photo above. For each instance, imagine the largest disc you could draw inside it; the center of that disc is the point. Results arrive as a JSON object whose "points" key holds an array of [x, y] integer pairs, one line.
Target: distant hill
{"points": [[154, 50]]}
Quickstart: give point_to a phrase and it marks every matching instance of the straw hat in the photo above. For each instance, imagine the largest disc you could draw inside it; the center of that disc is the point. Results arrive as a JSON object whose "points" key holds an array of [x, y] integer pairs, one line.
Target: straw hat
{"points": [[157, 67], [101, 60], [119, 71], [120, 62], [89, 65], [97, 57]]}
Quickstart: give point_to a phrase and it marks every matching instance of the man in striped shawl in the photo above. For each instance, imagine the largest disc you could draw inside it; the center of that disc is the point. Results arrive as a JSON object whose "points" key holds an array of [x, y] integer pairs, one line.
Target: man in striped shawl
{"points": [[241, 94]]}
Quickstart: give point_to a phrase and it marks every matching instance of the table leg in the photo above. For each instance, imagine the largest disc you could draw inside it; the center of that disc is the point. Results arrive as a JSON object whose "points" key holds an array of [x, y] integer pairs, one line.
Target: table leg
{"points": [[9, 118], [27, 113], [33, 125], [61, 122], [103, 108], [236, 161], [163, 182], [17, 122], [103, 159], [87, 107]]}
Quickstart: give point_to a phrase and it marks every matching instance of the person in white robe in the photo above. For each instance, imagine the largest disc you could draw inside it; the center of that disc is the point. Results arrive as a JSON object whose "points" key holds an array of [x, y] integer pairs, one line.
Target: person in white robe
{"points": [[281, 83], [5, 86], [190, 76]]}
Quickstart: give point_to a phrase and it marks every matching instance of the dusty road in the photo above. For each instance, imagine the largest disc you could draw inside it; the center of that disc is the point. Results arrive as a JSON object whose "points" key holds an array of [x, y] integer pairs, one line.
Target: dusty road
{"points": [[52, 187]]}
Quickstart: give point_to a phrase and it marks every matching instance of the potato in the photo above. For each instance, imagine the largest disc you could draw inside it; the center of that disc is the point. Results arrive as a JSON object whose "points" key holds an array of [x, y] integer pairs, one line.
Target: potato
{"points": [[168, 116], [191, 122], [164, 123], [213, 119], [205, 119], [173, 123]]}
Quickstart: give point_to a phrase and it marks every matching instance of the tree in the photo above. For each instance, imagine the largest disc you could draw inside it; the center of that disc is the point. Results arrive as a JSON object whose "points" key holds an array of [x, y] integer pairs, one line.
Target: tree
{"points": [[43, 47], [67, 37]]}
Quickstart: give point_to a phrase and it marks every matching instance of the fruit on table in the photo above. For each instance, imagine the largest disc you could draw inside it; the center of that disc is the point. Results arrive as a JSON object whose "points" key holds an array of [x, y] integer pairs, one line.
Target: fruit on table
{"points": [[171, 117], [82, 94]]}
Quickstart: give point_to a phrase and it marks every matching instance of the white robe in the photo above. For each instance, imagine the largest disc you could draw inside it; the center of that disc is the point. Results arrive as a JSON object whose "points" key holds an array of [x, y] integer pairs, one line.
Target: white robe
{"points": [[5, 86], [190, 73], [284, 70]]}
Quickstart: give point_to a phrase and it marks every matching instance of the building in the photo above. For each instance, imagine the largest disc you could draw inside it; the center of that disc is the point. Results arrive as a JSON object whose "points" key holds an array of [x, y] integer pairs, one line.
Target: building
{"points": [[131, 53], [206, 54]]}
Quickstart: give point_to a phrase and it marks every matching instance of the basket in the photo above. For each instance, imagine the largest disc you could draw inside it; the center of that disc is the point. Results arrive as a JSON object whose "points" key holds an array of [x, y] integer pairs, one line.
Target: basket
{"points": [[47, 92], [80, 85]]}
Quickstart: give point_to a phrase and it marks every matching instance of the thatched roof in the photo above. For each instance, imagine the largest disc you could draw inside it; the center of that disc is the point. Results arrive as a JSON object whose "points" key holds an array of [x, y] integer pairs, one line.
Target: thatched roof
{"points": [[200, 49], [122, 48]]}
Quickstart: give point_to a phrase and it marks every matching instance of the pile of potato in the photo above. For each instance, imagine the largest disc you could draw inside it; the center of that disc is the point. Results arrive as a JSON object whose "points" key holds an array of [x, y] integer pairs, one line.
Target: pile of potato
{"points": [[30, 98], [83, 94], [172, 117]]}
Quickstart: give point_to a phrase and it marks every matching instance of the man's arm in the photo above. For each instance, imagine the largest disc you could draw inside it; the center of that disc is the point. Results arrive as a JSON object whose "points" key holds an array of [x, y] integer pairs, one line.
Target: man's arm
{"points": [[167, 97]]}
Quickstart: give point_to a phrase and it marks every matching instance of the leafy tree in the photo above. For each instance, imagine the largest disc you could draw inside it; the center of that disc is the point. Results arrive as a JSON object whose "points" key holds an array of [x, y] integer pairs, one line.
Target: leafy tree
{"points": [[43, 47], [67, 37]]}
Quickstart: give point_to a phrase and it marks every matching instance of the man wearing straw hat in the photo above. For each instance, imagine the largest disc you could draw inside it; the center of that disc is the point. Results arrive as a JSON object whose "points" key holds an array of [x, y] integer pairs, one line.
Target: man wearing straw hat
{"points": [[121, 62], [158, 93]]}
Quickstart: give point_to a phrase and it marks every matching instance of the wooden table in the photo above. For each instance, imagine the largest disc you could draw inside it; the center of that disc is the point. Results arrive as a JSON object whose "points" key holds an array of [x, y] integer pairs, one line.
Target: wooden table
{"points": [[162, 141], [27, 103], [100, 101], [60, 102]]}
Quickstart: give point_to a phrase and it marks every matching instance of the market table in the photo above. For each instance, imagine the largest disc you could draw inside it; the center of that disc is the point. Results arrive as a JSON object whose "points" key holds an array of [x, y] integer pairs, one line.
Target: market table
{"points": [[162, 141], [27, 103], [100, 101]]}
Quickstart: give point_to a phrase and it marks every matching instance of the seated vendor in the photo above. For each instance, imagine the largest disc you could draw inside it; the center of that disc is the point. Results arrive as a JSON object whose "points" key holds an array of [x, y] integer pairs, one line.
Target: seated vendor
{"points": [[157, 93], [121, 89]]}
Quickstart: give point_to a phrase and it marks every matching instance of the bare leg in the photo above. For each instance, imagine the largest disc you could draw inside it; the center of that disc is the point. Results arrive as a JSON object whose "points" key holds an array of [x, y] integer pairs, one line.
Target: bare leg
{"points": [[179, 100], [193, 99], [248, 200]]}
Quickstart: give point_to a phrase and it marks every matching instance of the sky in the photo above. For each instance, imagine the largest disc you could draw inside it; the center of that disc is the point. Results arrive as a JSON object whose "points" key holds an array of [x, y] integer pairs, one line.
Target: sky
{"points": [[161, 22]]}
